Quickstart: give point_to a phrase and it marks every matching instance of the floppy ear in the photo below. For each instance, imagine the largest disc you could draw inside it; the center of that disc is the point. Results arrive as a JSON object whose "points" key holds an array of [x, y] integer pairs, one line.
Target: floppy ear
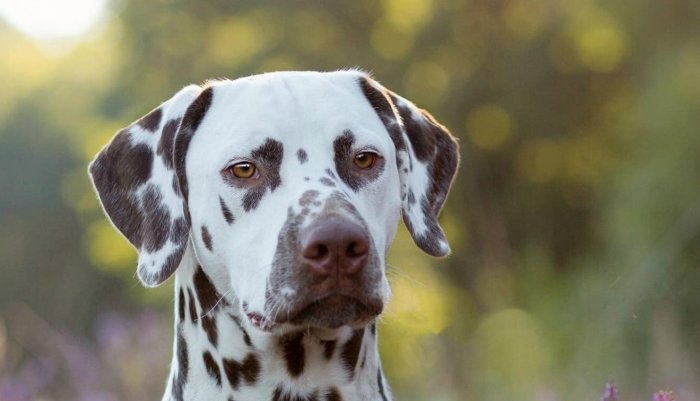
{"points": [[134, 176], [427, 156]]}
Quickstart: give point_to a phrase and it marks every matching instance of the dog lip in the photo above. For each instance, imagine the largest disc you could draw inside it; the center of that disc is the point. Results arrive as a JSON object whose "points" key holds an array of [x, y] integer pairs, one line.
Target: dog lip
{"points": [[333, 311]]}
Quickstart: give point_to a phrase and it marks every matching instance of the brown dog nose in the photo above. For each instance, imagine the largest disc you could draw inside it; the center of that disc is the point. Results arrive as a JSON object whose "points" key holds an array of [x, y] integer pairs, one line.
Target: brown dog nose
{"points": [[334, 245]]}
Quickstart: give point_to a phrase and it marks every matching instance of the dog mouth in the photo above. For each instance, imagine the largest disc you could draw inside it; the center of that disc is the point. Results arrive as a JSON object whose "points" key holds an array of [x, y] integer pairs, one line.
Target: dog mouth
{"points": [[329, 312]]}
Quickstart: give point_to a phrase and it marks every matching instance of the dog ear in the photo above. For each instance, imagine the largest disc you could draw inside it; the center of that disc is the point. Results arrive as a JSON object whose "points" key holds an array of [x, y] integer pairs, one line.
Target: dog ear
{"points": [[427, 156], [134, 176]]}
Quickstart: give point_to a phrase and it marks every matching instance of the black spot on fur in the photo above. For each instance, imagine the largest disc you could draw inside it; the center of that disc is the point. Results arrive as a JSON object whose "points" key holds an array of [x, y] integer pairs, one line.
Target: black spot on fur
{"points": [[183, 367], [333, 395], [329, 172], [351, 351], [212, 367], [181, 305], [306, 178], [373, 329], [190, 122], [328, 348], [206, 292], [380, 385], [157, 217], [302, 156], [252, 198], [117, 172], [249, 370], [209, 326], [411, 197], [151, 120], [179, 231], [193, 308], [225, 211], [293, 352], [326, 181], [165, 145], [206, 238], [280, 395], [381, 104]]}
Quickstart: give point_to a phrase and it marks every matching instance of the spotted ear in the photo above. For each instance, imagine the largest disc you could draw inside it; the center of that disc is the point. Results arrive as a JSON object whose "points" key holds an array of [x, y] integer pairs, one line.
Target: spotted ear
{"points": [[427, 156], [134, 176]]}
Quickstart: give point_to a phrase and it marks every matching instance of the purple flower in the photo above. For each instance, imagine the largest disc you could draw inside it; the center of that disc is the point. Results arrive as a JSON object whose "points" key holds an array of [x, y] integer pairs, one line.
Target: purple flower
{"points": [[610, 393], [663, 395]]}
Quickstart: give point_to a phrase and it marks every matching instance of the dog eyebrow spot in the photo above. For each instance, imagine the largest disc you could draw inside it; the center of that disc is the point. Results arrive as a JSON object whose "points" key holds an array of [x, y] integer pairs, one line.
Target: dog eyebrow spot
{"points": [[302, 156], [269, 155]]}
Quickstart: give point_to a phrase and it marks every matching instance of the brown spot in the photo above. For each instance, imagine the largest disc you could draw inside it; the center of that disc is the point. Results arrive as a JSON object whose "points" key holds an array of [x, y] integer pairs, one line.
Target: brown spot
{"points": [[351, 351], [382, 106], [165, 145], [209, 326], [190, 122], [354, 177], [302, 156], [156, 217], [328, 348], [181, 305], [151, 120], [206, 238], [249, 370], [293, 352], [228, 216], [206, 292], [380, 385], [192, 307], [333, 395], [269, 154], [183, 367], [212, 367]]}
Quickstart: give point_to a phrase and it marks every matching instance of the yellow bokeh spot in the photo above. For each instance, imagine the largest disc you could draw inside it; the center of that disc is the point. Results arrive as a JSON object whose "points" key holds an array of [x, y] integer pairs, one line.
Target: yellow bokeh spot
{"points": [[107, 249], [489, 126], [426, 83], [389, 42], [511, 351], [538, 160], [408, 15], [524, 18], [601, 49]]}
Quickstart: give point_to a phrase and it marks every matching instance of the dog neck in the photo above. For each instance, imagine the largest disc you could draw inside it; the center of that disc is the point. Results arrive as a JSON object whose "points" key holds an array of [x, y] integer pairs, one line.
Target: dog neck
{"points": [[218, 356]]}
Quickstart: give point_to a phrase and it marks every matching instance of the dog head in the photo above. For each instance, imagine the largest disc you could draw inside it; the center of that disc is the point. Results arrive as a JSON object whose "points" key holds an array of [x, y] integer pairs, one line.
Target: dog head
{"points": [[288, 187]]}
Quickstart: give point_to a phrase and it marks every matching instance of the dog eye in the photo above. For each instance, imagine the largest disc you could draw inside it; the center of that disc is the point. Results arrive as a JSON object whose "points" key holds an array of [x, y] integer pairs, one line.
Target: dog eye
{"points": [[365, 160], [243, 169]]}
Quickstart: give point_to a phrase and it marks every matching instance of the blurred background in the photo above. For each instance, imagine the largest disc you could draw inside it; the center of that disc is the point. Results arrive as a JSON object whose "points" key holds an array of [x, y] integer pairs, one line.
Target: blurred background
{"points": [[574, 220]]}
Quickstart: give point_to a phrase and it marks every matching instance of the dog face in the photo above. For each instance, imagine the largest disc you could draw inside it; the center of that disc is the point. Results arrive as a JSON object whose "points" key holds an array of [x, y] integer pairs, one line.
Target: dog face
{"points": [[288, 187]]}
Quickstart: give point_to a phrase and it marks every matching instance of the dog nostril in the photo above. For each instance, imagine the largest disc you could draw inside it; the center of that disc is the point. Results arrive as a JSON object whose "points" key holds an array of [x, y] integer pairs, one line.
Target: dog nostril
{"points": [[315, 252], [356, 249]]}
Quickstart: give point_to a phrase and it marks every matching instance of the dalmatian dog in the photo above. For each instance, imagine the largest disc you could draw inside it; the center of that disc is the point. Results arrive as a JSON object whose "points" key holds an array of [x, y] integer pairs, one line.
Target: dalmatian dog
{"points": [[273, 200]]}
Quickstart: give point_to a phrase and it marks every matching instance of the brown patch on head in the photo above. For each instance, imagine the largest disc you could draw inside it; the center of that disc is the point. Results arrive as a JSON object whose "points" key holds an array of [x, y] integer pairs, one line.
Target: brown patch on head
{"points": [[206, 238], [353, 176], [165, 145], [269, 158], [190, 123]]}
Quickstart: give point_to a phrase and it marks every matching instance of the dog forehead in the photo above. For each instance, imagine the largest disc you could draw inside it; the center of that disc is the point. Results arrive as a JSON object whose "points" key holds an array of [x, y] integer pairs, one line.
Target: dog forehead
{"points": [[287, 106]]}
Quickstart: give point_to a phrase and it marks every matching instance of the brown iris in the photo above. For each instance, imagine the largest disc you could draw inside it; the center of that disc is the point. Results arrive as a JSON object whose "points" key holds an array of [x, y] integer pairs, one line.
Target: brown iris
{"points": [[365, 160], [243, 169]]}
